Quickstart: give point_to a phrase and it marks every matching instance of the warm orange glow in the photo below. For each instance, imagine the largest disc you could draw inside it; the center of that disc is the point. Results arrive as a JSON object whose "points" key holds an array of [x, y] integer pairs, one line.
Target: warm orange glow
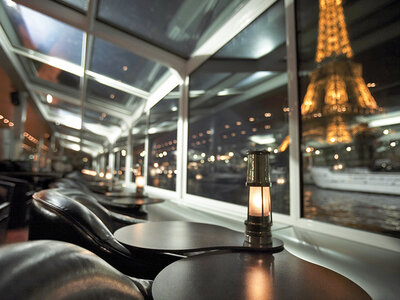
{"points": [[258, 284], [108, 176], [259, 201], [89, 172], [333, 39], [101, 174], [338, 132], [139, 181], [336, 86], [285, 144]]}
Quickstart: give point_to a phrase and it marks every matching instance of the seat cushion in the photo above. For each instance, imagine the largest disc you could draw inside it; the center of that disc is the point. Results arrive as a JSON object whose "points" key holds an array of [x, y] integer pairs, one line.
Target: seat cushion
{"points": [[58, 270]]}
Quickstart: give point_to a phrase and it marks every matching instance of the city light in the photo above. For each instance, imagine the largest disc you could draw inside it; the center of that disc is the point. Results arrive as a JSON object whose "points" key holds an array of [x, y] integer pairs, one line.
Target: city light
{"points": [[280, 180], [336, 156], [317, 152], [386, 131], [123, 152], [348, 149], [393, 144]]}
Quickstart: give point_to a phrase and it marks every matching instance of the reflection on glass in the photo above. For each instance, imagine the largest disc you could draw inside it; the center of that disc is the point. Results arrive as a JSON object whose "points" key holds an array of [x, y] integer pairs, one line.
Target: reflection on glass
{"points": [[49, 73], [349, 122], [246, 110], [80, 4], [39, 32], [265, 35], [162, 144], [109, 94], [178, 26], [121, 64]]}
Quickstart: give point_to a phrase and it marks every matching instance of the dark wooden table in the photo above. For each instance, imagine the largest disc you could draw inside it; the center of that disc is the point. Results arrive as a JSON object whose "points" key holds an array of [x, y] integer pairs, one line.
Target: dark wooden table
{"points": [[181, 237], [123, 194], [249, 275], [129, 202]]}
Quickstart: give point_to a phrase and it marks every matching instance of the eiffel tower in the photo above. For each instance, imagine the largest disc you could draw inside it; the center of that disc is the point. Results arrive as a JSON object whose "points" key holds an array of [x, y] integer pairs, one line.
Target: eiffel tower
{"points": [[336, 92]]}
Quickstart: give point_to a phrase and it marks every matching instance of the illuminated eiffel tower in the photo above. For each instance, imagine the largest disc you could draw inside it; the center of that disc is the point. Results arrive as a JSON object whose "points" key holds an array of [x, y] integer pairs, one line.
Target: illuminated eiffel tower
{"points": [[336, 91]]}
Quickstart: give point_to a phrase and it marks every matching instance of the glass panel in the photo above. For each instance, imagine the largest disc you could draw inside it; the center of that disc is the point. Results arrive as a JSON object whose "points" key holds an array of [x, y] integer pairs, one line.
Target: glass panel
{"points": [[80, 4], [264, 35], [247, 110], [39, 32], [109, 94], [177, 25], [48, 73], [123, 65], [162, 144], [56, 102], [138, 153], [349, 70], [100, 117]]}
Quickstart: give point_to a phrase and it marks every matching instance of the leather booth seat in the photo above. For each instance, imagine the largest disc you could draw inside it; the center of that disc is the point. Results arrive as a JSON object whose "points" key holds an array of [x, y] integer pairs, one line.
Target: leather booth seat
{"points": [[112, 220], [58, 217], [57, 270]]}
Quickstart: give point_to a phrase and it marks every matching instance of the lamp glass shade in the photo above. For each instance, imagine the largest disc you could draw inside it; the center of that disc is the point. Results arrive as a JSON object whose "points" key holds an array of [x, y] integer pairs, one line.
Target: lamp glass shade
{"points": [[139, 181], [259, 201]]}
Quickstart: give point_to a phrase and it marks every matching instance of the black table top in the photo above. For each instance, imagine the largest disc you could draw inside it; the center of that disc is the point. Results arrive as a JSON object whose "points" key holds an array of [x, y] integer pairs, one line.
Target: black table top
{"points": [[180, 237], [133, 201], [249, 275]]}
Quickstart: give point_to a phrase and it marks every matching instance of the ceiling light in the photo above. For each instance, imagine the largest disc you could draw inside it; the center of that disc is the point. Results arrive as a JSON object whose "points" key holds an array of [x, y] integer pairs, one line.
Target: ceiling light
{"points": [[49, 98]]}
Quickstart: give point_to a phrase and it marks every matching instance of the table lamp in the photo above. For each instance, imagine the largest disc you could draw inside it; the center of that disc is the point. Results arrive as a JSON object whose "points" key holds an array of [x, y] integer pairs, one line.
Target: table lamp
{"points": [[259, 213], [139, 181]]}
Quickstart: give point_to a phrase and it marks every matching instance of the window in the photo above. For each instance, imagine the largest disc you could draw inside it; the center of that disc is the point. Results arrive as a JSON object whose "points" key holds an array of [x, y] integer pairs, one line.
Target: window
{"points": [[349, 68], [162, 143], [238, 102]]}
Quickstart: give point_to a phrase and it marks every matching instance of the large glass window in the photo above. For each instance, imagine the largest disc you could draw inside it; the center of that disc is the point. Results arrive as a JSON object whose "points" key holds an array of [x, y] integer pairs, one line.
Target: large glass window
{"points": [[138, 151], [349, 63], [238, 102], [162, 143]]}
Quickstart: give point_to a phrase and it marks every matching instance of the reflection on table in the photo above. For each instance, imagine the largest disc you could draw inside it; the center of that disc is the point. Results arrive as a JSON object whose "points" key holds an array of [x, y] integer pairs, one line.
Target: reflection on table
{"points": [[181, 237], [249, 275]]}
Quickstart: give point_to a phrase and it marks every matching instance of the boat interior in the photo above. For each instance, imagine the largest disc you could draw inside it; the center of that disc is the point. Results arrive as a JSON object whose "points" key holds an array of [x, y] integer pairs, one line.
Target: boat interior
{"points": [[216, 149]]}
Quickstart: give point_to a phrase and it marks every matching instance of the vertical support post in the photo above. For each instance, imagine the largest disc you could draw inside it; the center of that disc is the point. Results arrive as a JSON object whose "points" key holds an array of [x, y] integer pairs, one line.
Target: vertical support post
{"points": [[19, 118], [128, 158], [146, 149], [294, 133], [111, 161], [182, 139]]}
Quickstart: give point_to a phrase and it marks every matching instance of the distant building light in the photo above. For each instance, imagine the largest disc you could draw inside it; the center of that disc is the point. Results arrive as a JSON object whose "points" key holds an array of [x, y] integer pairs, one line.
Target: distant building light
{"points": [[251, 119], [267, 115], [49, 98], [317, 152], [336, 156], [393, 144], [386, 131], [174, 108], [348, 149], [123, 152]]}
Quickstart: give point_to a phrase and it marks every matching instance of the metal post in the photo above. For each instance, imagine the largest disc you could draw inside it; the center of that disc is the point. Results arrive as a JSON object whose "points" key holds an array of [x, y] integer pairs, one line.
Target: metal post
{"points": [[128, 158], [19, 118]]}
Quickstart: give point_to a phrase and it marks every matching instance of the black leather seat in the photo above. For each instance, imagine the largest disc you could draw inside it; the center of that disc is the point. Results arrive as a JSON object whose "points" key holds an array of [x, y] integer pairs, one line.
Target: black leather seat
{"points": [[58, 217], [58, 270], [112, 220], [69, 183]]}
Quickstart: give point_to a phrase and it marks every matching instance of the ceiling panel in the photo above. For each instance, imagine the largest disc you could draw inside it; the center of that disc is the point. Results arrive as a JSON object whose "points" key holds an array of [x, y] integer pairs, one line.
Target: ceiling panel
{"points": [[44, 34], [176, 25], [121, 64]]}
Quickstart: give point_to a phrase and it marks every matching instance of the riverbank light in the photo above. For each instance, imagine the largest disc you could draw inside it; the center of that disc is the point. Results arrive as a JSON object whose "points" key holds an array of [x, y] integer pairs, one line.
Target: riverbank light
{"points": [[259, 216]]}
